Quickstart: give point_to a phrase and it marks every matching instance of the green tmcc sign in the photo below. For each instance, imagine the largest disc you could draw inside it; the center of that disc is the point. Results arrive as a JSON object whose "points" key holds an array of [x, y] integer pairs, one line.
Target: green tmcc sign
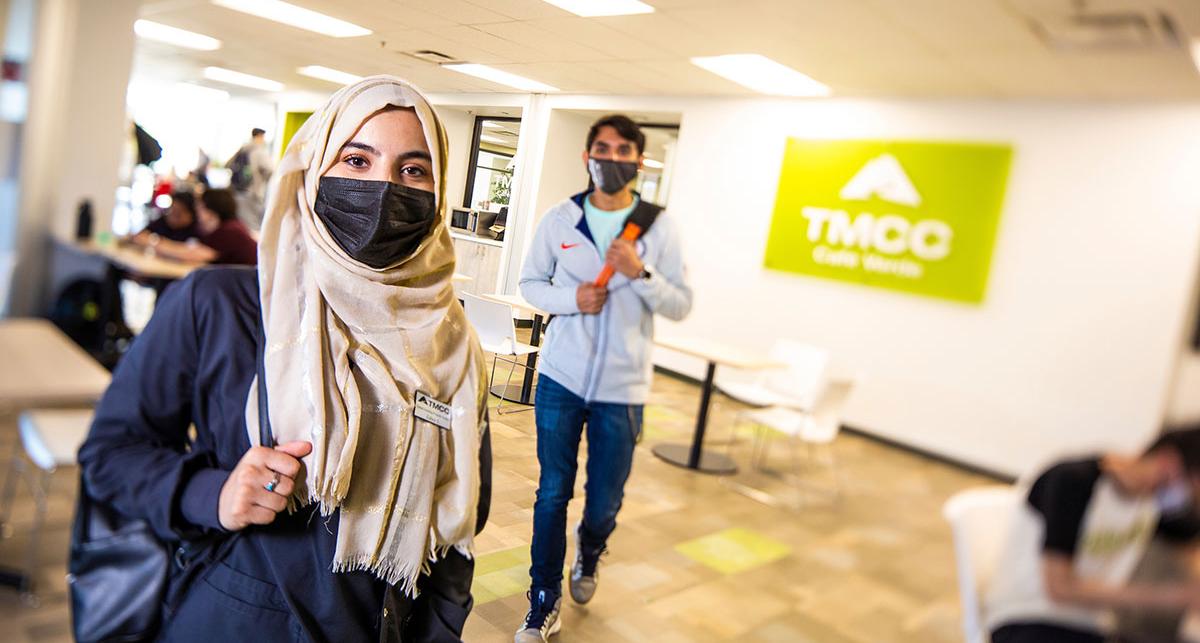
{"points": [[908, 216]]}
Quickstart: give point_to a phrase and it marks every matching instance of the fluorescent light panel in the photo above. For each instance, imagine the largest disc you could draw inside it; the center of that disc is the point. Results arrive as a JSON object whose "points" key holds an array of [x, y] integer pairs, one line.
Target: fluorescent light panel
{"points": [[331, 75], [651, 163], [174, 36], [501, 77], [762, 75], [223, 75], [593, 8], [299, 17]]}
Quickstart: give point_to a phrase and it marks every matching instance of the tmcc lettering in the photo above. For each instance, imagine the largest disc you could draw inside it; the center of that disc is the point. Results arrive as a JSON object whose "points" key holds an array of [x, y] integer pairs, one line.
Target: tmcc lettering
{"points": [[927, 239]]}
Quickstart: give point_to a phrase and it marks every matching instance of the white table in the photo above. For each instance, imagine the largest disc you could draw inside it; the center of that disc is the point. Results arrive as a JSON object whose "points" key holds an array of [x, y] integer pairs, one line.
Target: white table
{"points": [[526, 388], [693, 456], [43, 367]]}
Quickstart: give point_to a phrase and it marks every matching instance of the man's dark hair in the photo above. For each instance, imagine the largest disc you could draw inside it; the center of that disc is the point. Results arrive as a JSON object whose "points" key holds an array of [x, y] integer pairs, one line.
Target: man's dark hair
{"points": [[1185, 440], [186, 199], [624, 125], [258, 131], [220, 202]]}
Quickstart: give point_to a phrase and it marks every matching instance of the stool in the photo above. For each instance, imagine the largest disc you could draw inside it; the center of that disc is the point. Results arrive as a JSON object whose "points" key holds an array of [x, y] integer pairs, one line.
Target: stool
{"points": [[51, 439]]}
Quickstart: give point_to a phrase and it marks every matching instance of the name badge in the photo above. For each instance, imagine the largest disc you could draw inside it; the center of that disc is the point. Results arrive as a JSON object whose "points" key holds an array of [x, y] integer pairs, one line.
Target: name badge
{"points": [[432, 411]]}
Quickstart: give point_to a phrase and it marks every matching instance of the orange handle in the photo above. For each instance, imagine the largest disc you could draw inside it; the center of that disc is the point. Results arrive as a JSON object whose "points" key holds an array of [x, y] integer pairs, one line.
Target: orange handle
{"points": [[630, 233]]}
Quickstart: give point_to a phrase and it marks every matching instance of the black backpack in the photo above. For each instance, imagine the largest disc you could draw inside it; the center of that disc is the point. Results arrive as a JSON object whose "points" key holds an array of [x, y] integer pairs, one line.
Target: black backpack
{"points": [[120, 572], [241, 175]]}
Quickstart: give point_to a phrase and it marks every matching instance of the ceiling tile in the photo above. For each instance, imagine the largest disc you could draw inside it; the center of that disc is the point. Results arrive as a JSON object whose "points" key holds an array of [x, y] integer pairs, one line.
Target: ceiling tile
{"points": [[553, 47], [523, 9], [457, 11], [597, 36]]}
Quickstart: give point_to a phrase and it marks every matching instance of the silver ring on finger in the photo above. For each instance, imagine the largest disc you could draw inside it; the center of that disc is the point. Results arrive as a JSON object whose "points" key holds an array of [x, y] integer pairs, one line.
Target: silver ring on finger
{"points": [[270, 486]]}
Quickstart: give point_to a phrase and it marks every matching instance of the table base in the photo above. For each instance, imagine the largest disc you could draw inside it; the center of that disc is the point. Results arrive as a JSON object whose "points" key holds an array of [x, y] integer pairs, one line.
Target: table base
{"points": [[714, 463]]}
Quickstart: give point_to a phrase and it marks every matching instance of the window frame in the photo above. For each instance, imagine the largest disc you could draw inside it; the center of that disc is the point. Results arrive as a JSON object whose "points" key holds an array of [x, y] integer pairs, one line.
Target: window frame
{"points": [[469, 189]]}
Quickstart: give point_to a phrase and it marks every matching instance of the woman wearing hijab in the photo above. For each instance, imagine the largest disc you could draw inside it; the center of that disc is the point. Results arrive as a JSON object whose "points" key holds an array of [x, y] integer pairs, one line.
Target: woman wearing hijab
{"points": [[359, 525]]}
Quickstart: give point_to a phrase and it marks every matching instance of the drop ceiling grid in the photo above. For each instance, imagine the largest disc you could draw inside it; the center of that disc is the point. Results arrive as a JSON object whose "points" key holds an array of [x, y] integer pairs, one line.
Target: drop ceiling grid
{"points": [[972, 48]]}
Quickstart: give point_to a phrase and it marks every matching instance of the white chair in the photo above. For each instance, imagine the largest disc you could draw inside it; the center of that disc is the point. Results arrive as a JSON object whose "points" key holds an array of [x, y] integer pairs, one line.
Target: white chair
{"points": [[51, 439], [979, 520], [795, 385], [816, 427], [493, 322]]}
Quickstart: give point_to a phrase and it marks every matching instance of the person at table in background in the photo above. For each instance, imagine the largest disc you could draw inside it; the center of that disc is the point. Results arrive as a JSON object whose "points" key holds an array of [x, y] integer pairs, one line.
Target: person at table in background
{"points": [[178, 223], [377, 398], [250, 173], [1081, 531], [223, 238], [595, 365]]}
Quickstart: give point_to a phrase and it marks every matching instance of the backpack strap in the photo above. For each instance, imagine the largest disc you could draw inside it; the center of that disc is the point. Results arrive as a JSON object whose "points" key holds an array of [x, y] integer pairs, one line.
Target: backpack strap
{"points": [[265, 437], [644, 215]]}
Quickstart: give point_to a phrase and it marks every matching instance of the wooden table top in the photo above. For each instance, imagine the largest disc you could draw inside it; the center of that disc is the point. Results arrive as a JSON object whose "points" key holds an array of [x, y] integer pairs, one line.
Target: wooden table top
{"points": [[138, 262], [43, 367]]}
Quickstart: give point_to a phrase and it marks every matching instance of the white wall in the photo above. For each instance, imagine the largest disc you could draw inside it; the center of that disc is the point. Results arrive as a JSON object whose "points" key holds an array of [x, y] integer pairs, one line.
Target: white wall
{"points": [[75, 134], [1094, 265], [460, 127], [563, 172], [1184, 406]]}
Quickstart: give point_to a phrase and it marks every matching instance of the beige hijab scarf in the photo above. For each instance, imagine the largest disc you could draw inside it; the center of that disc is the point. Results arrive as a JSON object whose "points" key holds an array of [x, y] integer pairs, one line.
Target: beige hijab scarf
{"points": [[347, 349]]}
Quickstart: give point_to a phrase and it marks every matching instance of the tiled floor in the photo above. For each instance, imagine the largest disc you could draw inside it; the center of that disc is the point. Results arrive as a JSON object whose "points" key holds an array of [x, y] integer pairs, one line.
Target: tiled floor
{"points": [[695, 558]]}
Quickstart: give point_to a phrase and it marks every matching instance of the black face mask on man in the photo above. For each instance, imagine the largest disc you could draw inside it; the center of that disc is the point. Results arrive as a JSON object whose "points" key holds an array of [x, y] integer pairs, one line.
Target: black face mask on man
{"points": [[611, 176], [377, 223]]}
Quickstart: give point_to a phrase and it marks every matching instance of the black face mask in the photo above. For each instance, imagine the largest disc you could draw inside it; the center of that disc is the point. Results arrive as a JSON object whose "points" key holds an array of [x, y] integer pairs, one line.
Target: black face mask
{"points": [[611, 176], [377, 223]]}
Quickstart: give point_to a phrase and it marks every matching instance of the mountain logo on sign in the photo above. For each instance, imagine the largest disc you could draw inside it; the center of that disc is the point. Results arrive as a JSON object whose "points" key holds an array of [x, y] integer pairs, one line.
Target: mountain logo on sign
{"points": [[883, 177]]}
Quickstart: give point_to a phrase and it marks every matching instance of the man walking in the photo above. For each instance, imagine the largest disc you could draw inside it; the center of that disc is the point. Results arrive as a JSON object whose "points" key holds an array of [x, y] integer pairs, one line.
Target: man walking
{"points": [[250, 171], [595, 365]]}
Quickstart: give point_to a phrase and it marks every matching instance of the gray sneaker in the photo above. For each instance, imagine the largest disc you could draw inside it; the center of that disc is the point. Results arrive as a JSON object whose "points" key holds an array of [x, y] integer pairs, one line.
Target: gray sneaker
{"points": [[585, 572], [542, 620]]}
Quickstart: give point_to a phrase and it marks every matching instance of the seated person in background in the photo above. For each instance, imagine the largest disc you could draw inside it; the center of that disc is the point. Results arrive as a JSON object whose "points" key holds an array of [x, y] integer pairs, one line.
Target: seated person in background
{"points": [[223, 238], [1074, 543], [178, 223]]}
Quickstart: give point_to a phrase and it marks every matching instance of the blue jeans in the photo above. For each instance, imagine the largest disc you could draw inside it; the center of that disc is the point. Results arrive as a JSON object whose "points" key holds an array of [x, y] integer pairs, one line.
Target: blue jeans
{"points": [[612, 431]]}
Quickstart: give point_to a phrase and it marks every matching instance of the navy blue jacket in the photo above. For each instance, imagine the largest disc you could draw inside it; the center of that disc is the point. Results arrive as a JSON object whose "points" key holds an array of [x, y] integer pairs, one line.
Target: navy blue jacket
{"points": [[193, 365]]}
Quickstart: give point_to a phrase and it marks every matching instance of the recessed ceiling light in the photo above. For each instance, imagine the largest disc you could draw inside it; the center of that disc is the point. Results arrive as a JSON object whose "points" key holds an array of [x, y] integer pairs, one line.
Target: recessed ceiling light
{"points": [[651, 163], [763, 75], [223, 75], [594, 8], [299, 17], [174, 36], [331, 75], [501, 77]]}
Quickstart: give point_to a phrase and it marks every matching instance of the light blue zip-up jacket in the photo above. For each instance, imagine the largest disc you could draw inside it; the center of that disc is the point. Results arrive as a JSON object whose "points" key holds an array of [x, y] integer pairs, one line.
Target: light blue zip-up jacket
{"points": [[603, 357]]}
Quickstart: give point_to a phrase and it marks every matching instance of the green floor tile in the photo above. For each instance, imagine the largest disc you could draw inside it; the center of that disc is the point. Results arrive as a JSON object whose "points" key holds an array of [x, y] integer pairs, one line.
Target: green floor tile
{"points": [[656, 413], [500, 584], [734, 550], [501, 574], [503, 559]]}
